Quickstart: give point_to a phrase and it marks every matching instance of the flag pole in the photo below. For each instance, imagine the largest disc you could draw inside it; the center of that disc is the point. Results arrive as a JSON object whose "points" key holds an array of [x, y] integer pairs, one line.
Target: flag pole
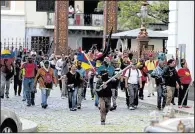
{"points": [[114, 76], [88, 60]]}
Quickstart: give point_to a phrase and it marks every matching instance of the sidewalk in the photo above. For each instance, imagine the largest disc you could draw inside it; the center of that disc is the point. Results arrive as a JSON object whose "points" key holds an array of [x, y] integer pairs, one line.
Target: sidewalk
{"points": [[153, 101]]}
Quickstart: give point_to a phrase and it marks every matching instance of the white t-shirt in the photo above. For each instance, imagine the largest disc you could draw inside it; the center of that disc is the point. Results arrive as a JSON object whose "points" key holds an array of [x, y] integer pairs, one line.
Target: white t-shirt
{"points": [[134, 77]]}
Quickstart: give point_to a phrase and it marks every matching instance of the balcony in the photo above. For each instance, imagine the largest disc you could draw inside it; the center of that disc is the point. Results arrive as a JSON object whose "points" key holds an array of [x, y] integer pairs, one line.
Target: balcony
{"points": [[79, 21]]}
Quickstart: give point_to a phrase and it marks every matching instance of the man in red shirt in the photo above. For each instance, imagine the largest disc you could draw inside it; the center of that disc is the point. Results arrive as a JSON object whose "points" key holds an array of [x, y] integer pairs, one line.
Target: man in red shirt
{"points": [[30, 72]]}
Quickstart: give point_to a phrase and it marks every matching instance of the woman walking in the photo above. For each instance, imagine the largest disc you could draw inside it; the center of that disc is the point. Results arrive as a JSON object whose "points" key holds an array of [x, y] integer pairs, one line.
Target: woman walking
{"points": [[73, 82], [17, 78], [185, 78]]}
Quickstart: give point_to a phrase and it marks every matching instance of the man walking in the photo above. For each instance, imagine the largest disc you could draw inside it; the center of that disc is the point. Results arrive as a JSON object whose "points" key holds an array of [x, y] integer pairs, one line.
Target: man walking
{"points": [[82, 73], [30, 69], [46, 79], [7, 71], [151, 65], [59, 65], [132, 82], [160, 83], [104, 95], [172, 80]]}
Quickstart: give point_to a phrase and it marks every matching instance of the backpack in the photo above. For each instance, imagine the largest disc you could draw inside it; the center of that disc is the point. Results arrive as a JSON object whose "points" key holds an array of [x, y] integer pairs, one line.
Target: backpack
{"points": [[48, 80]]}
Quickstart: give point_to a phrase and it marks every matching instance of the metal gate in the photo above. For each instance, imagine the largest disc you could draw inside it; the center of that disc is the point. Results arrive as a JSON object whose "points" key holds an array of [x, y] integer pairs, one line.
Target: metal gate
{"points": [[40, 43]]}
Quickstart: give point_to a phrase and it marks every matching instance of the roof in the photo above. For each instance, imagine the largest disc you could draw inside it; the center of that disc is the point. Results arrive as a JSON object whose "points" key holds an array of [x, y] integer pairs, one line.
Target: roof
{"points": [[131, 34]]}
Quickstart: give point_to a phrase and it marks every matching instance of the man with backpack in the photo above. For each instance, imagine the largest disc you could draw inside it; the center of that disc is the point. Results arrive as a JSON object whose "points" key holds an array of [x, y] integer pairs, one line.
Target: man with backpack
{"points": [[7, 71], [30, 70], [160, 83], [133, 82], [46, 79]]}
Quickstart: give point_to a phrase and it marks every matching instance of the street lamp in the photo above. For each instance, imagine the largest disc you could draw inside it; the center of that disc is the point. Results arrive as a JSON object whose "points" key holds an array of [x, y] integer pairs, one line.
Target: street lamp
{"points": [[142, 37]]}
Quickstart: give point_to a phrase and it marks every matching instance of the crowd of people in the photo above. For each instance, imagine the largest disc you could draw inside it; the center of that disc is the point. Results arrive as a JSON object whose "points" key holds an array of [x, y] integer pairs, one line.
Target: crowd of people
{"points": [[31, 71]]}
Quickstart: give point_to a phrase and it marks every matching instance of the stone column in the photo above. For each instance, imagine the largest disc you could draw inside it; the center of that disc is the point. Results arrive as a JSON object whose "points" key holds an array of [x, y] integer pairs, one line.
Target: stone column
{"points": [[61, 27], [110, 18]]}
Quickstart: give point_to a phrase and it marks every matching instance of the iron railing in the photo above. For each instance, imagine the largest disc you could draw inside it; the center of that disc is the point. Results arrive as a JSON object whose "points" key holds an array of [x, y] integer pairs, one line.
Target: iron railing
{"points": [[79, 19], [28, 44]]}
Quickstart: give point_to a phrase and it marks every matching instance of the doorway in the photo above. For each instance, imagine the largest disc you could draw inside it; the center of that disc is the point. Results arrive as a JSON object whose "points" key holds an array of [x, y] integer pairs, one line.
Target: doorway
{"points": [[88, 42]]}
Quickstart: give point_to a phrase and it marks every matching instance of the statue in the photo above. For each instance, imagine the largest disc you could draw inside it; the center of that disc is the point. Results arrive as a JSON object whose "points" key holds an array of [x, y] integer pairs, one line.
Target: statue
{"points": [[180, 127], [154, 118], [168, 112]]}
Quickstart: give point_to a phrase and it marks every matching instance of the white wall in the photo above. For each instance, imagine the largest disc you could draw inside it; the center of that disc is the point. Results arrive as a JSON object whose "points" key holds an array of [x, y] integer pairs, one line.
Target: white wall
{"points": [[172, 28], [13, 23], [34, 18], [186, 30], [181, 29], [158, 44]]}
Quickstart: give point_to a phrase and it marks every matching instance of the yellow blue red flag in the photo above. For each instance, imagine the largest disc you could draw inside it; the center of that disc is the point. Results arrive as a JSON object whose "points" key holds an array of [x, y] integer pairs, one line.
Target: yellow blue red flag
{"points": [[85, 62]]}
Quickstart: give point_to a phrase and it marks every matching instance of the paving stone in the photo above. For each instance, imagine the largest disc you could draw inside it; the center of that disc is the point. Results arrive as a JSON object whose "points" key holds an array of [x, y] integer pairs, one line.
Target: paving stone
{"points": [[58, 118]]}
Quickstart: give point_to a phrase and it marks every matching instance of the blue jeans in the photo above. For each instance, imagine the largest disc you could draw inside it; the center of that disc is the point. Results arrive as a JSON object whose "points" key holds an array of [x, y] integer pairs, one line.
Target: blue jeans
{"points": [[72, 98], [24, 94], [44, 96], [28, 87], [161, 99], [96, 99]]}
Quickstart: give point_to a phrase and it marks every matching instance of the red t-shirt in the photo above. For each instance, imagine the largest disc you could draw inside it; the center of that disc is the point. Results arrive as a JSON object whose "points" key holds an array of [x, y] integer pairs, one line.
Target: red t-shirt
{"points": [[144, 72], [29, 70], [185, 76]]}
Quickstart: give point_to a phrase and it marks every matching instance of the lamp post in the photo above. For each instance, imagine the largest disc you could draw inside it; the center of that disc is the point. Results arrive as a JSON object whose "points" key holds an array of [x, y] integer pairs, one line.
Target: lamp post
{"points": [[142, 37]]}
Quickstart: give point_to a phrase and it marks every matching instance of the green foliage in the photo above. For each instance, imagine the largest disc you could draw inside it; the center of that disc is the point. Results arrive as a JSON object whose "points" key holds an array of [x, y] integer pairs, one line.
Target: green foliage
{"points": [[128, 18]]}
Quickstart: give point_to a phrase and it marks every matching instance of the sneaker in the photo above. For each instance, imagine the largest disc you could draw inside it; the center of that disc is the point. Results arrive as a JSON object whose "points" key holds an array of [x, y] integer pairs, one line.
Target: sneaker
{"points": [[103, 123], [2, 97], [79, 107], [187, 107], [7, 96], [153, 94], [33, 103], [173, 103], [180, 106], [28, 105], [149, 95], [135, 107], [113, 108], [159, 108], [74, 109], [131, 108]]}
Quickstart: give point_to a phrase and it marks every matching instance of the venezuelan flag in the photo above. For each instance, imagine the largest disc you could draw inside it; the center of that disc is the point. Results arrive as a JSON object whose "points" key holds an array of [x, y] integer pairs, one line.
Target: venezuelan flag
{"points": [[6, 54], [85, 63]]}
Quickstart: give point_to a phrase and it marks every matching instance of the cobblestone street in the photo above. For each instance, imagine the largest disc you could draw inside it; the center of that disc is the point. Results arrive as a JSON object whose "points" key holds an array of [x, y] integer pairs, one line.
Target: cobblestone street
{"points": [[58, 118]]}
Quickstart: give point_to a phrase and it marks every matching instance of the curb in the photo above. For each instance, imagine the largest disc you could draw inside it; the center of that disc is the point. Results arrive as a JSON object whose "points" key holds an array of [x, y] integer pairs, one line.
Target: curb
{"points": [[152, 105], [28, 126]]}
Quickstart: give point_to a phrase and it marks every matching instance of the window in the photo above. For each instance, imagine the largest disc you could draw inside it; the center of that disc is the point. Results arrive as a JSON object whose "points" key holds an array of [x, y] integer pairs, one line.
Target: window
{"points": [[5, 4]]}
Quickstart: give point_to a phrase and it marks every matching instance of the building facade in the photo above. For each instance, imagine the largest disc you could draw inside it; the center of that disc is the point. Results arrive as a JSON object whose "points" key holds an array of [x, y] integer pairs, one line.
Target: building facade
{"points": [[181, 31], [84, 25], [12, 23]]}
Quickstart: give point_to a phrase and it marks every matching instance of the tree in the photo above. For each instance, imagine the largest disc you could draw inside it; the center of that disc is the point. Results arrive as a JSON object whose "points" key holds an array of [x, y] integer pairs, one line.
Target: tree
{"points": [[128, 14]]}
